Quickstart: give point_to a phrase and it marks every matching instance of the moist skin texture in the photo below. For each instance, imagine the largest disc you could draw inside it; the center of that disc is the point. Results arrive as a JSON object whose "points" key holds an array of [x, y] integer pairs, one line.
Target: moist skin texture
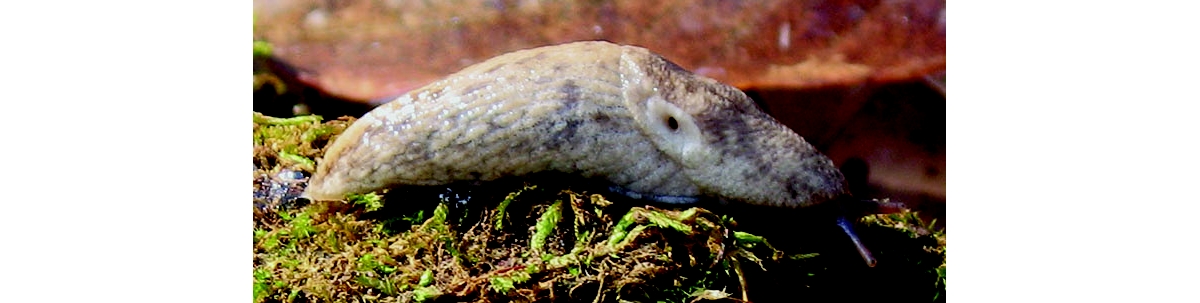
{"points": [[593, 109]]}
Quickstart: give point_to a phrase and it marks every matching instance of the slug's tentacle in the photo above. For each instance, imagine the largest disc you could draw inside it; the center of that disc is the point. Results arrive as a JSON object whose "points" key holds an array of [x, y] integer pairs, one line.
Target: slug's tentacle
{"points": [[862, 249]]}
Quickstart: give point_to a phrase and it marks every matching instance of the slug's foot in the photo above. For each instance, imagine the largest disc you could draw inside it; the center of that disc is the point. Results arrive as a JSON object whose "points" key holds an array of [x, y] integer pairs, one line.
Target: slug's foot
{"points": [[667, 199]]}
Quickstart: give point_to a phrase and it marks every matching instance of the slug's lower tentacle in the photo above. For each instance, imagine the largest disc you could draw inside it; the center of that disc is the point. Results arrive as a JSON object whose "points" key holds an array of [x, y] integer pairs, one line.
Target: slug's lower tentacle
{"points": [[862, 249]]}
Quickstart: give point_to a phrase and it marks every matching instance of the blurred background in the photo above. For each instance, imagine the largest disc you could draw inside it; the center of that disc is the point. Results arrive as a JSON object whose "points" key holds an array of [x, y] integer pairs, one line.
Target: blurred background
{"points": [[863, 81]]}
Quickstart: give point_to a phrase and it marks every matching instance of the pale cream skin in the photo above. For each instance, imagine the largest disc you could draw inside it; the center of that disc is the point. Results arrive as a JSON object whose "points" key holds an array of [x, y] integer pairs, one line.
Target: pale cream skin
{"points": [[592, 109]]}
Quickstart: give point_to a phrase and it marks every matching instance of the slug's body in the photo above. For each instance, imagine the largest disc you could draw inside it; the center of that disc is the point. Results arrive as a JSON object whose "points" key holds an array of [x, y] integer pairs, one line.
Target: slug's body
{"points": [[594, 109]]}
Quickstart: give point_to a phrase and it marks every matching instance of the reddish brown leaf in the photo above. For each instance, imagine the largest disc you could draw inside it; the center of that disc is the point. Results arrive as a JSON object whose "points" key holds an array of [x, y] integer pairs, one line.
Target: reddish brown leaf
{"points": [[372, 49]]}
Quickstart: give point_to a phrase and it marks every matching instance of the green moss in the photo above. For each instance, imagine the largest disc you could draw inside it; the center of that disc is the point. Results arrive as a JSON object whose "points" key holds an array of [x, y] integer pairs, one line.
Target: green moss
{"points": [[424, 294], [426, 278], [262, 49], [293, 121], [622, 229], [545, 226], [500, 209], [509, 281], [662, 220], [367, 262], [387, 287], [941, 282], [512, 249], [301, 161], [502, 284], [287, 143], [369, 201], [302, 226], [262, 283], [438, 221]]}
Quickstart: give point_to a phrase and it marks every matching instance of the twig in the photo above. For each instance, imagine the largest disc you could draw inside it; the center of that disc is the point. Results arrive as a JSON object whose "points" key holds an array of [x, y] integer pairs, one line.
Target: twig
{"points": [[600, 289]]}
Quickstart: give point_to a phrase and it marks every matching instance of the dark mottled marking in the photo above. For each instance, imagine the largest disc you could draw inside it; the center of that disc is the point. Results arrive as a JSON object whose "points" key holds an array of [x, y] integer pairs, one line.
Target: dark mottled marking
{"points": [[601, 118], [671, 66], [567, 134], [571, 95], [792, 182]]}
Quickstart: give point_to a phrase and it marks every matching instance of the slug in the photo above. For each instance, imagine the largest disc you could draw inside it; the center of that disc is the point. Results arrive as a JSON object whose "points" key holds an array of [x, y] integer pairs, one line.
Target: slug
{"points": [[595, 109]]}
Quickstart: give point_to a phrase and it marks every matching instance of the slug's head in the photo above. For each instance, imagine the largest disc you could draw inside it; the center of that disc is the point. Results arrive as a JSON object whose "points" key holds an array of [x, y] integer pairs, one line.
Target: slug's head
{"points": [[726, 146]]}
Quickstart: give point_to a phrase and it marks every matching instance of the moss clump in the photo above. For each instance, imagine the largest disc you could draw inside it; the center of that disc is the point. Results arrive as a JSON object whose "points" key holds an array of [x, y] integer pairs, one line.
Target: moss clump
{"points": [[369, 201], [924, 235], [284, 153], [262, 49], [262, 52], [547, 243]]}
